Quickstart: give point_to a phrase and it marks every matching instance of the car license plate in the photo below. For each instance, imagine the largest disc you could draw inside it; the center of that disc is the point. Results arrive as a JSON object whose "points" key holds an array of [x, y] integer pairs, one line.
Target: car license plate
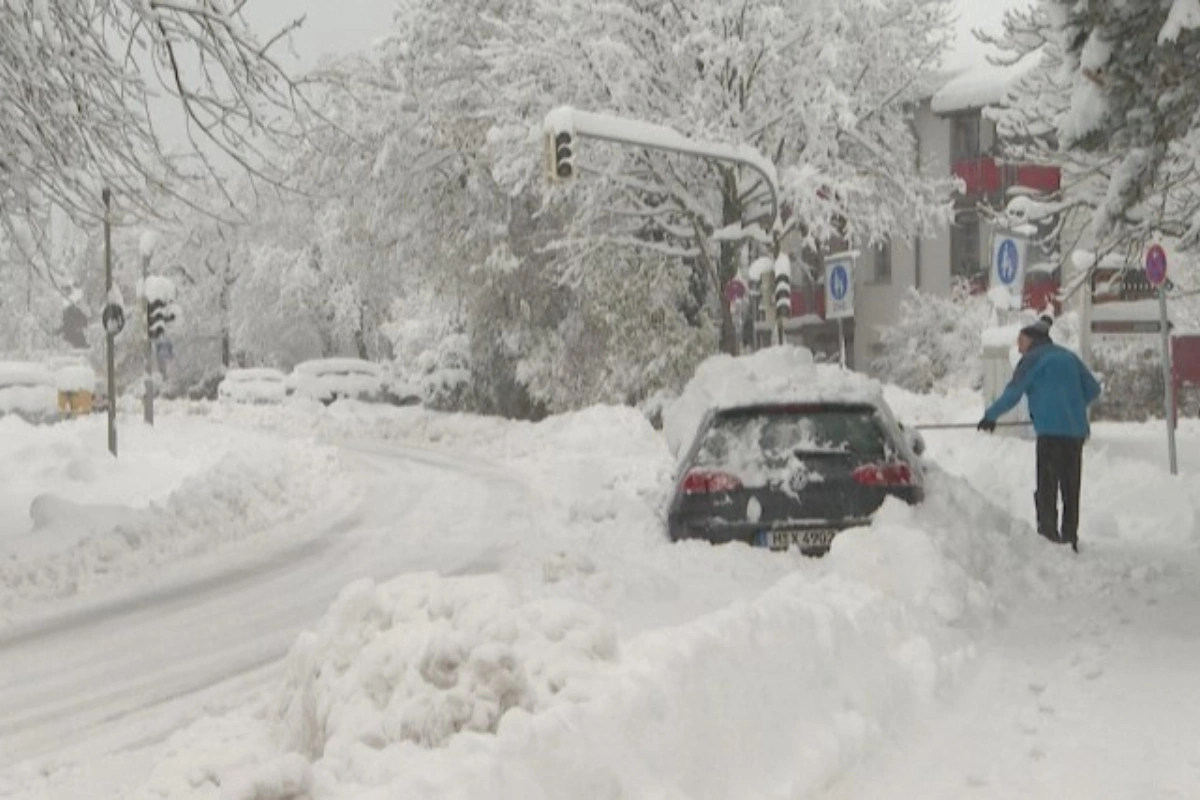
{"points": [[782, 540]]}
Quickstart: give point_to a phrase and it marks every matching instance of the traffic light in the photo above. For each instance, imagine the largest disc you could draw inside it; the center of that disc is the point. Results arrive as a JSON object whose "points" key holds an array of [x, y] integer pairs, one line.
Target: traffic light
{"points": [[560, 146], [158, 314], [783, 294]]}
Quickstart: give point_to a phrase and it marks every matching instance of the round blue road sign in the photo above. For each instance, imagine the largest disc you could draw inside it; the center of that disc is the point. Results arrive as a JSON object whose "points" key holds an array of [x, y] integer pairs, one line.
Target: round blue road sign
{"points": [[839, 282], [1156, 265], [1007, 262]]}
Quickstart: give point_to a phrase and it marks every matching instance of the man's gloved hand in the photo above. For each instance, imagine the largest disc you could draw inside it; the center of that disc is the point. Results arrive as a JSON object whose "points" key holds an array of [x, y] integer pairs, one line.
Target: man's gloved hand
{"points": [[986, 425]]}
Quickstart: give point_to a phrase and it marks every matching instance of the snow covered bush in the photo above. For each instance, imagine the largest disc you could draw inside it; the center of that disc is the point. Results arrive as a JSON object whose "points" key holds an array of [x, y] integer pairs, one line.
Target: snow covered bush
{"points": [[935, 344], [431, 350], [423, 658]]}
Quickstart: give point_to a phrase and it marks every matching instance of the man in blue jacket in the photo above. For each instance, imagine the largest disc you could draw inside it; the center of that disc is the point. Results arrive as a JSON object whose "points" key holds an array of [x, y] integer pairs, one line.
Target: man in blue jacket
{"points": [[1060, 389]]}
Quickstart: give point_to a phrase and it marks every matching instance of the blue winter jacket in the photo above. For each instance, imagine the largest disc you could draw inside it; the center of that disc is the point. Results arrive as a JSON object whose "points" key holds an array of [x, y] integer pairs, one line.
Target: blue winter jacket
{"points": [[1059, 388]]}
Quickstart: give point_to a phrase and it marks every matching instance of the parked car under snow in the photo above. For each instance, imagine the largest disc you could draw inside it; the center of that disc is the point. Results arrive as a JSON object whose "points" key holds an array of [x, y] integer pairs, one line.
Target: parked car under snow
{"points": [[328, 379], [783, 475], [257, 386], [28, 390]]}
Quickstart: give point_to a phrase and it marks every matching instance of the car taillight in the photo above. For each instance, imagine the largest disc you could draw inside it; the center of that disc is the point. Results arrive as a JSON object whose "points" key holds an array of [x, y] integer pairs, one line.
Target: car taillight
{"points": [[702, 481], [892, 473]]}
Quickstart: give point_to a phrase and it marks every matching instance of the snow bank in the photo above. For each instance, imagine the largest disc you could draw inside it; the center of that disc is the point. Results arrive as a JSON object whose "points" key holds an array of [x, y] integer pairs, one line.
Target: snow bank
{"points": [[472, 687], [285, 778], [75, 519], [774, 374], [603, 661], [422, 659]]}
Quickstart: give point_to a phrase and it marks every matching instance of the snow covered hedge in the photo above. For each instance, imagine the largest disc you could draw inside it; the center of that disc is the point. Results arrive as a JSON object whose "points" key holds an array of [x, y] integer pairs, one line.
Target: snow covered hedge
{"points": [[935, 344]]}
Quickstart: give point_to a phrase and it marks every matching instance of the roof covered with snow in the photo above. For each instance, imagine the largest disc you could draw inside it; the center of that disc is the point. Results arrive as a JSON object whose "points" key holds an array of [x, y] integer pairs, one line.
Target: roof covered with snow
{"points": [[972, 80]]}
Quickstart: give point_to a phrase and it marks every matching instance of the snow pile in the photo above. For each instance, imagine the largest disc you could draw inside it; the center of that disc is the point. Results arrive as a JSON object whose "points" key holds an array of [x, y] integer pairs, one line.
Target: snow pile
{"points": [[519, 695], [774, 374], [76, 519], [288, 776], [422, 659]]}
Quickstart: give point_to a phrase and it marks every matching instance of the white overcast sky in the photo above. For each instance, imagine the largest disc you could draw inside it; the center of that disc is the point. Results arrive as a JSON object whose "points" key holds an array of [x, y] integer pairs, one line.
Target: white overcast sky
{"points": [[331, 26]]}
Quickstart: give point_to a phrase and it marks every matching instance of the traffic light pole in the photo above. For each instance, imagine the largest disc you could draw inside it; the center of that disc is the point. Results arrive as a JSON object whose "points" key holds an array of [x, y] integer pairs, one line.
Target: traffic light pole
{"points": [[635, 133], [148, 393], [109, 335]]}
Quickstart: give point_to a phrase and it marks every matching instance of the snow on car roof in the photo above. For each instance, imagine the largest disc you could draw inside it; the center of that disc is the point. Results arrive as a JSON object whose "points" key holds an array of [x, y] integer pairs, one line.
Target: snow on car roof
{"points": [[254, 374], [75, 378], [774, 375], [333, 366], [25, 373]]}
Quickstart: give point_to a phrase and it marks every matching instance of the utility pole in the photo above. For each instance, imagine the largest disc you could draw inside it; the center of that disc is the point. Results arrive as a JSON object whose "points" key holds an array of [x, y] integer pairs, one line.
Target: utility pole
{"points": [[148, 389], [109, 333]]}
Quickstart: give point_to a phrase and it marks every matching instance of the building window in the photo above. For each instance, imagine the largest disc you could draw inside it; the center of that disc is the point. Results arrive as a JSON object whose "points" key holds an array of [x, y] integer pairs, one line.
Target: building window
{"points": [[881, 257], [965, 143], [965, 261]]}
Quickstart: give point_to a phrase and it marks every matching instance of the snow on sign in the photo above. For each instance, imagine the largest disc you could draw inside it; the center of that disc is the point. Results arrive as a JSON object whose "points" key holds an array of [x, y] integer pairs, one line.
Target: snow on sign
{"points": [[1156, 265], [839, 287], [1008, 264]]}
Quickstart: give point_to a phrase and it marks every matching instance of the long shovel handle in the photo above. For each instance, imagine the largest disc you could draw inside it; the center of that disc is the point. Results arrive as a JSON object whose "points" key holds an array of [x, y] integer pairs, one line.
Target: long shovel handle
{"points": [[951, 426]]}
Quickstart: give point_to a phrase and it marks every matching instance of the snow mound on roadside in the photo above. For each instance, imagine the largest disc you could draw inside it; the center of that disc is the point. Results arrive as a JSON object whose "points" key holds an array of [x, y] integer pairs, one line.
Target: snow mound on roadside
{"points": [[421, 659], [774, 374], [78, 546], [470, 686]]}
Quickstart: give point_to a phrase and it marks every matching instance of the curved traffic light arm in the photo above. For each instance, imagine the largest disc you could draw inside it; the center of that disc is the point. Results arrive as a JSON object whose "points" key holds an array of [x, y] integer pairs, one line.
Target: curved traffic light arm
{"points": [[635, 133]]}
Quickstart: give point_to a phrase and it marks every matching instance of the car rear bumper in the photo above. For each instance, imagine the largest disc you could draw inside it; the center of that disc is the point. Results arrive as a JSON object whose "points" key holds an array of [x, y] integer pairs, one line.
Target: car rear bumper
{"points": [[754, 534]]}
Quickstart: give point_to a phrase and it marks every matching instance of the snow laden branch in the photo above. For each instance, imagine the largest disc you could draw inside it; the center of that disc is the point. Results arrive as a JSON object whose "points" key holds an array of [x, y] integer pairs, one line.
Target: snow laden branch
{"points": [[85, 88], [1131, 93]]}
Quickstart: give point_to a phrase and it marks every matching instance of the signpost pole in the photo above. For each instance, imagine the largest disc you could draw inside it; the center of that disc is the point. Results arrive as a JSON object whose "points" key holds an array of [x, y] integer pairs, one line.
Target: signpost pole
{"points": [[1167, 385], [842, 341], [1156, 275], [109, 335]]}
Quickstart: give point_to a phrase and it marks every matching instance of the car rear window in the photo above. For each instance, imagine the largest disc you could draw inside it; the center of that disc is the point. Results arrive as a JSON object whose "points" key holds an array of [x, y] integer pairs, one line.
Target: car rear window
{"points": [[772, 436]]}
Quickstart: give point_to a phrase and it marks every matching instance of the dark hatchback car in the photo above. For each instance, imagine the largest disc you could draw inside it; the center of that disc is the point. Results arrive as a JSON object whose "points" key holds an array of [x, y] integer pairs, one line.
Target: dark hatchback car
{"points": [[785, 475]]}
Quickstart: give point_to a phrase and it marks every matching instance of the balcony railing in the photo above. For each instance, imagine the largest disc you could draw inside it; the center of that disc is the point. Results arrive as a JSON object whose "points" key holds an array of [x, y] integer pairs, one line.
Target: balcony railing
{"points": [[986, 176]]}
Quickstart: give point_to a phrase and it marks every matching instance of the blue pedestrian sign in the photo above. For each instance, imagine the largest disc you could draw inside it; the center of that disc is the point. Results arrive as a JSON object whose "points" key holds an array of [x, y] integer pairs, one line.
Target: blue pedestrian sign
{"points": [[1008, 263], [1008, 266], [839, 282], [839, 287]]}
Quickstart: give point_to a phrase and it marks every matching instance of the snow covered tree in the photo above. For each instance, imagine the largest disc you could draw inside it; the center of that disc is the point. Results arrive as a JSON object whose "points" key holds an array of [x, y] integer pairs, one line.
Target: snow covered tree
{"points": [[78, 82], [1116, 93], [935, 343], [820, 87]]}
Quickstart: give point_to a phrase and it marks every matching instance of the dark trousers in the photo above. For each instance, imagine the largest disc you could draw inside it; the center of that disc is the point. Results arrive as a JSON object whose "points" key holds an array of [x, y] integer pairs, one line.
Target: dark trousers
{"points": [[1059, 469]]}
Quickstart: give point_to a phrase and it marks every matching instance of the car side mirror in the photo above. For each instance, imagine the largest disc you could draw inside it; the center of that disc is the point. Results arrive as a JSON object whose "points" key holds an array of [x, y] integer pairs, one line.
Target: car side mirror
{"points": [[915, 440]]}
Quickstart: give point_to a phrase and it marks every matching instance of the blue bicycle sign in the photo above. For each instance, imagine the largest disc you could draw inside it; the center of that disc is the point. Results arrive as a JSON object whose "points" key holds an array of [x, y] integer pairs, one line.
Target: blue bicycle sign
{"points": [[839, 282], [1008, 262]]}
